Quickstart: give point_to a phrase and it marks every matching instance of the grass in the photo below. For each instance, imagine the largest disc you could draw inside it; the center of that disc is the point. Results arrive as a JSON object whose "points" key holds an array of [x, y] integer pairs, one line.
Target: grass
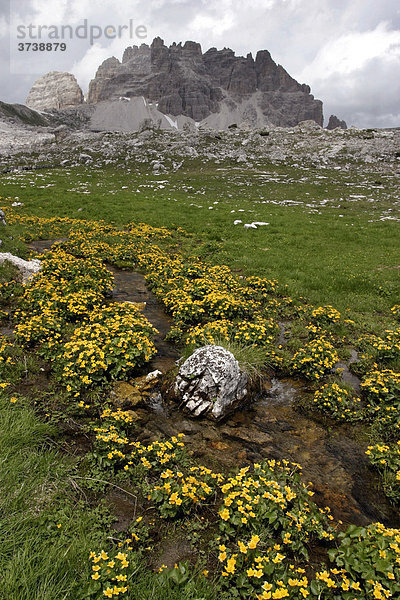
{"points": [[38, 559], [47, 530], [338, 252], [342, 252]]}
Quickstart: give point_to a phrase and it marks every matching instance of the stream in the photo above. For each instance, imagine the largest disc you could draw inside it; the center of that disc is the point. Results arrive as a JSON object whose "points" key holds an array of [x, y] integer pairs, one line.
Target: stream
{"points": [[270, 427]]}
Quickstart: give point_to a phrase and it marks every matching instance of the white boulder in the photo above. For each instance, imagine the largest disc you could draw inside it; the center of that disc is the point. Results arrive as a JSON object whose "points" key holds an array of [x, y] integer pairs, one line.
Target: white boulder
{"points": [[211, 382]]}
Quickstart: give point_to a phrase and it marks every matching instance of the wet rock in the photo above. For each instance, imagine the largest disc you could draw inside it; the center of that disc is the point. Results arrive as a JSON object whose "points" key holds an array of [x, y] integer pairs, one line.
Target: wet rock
{"points": [[28, 268], [221, 446], [156, 404], [125, 395], [248, 435], [138, 393], [164, 428], [211, 382], [241, 456], [188, 427], [154, 375]]}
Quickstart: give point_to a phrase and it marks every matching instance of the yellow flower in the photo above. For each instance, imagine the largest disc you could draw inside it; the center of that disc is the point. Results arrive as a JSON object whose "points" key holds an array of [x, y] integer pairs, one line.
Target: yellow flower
{"points": [[224, 514], [253, 542]]}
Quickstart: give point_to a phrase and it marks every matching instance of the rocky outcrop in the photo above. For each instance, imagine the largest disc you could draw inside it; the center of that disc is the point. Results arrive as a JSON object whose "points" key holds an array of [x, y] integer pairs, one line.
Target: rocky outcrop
{"points": [[181, 80], [334, 123], [210, 382], [28, 268], [55, 90]]}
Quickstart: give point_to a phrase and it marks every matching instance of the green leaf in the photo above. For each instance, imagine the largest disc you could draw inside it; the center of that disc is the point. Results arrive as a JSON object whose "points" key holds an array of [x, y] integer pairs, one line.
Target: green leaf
{"points": [[333, 553], [383, 566], [315, 587]]}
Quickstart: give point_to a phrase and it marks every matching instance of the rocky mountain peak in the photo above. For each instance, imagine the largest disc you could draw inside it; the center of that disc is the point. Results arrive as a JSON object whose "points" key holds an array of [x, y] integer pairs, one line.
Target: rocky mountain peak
{"points": [[184, 81], [55, 90], [334, 123]]}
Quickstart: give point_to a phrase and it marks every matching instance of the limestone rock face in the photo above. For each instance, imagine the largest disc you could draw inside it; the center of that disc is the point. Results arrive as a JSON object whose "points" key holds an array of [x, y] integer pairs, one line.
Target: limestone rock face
{"points": [[55, 90], [181, 80], [334, 123], [210, 381], [28, 268]]}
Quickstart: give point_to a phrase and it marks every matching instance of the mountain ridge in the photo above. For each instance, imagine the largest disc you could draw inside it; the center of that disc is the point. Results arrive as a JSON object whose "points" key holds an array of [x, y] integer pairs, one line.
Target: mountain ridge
{"points": [[216, 88], [184, 81]]}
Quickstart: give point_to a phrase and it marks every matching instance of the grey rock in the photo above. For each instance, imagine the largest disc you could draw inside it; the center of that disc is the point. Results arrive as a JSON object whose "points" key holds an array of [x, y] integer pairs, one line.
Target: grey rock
{"points": [[61, 132], [2, 218], [183, 81], [210, 382], [55, 90], [28, 268], [335, 123], [86, 158]]}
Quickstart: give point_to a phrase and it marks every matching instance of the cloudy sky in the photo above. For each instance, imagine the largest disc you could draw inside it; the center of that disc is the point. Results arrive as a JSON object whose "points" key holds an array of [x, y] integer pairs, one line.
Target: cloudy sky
{"points": [[348, 51]]}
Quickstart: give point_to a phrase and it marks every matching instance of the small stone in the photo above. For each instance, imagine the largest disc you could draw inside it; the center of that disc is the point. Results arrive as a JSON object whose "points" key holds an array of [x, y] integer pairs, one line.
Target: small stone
{"points": [[220, 446], [154, 375]]}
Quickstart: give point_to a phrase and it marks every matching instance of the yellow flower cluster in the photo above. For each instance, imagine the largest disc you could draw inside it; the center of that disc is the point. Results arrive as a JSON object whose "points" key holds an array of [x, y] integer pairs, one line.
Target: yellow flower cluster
{"points": [[110, 572], [5, 347], [386, 458], [383, 348], [264, 573], [369, 561], [65, 290], [259, 288], [325, 315], [209, 302], [115, 449], [338, 402], [315, 359], [381, 386], [181, 492], [260, 332], [117, 415], [6, 361], [273, 495], [113, 343]]}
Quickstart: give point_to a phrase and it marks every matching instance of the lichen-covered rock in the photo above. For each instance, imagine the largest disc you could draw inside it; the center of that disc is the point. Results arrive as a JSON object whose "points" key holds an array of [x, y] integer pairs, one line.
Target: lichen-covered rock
{"points": [[210, 382], [55, 90]]}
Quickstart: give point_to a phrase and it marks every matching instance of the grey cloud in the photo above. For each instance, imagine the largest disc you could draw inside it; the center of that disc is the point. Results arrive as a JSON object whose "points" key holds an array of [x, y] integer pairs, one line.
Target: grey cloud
{"points": [[294, 33], [367, 97]]}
